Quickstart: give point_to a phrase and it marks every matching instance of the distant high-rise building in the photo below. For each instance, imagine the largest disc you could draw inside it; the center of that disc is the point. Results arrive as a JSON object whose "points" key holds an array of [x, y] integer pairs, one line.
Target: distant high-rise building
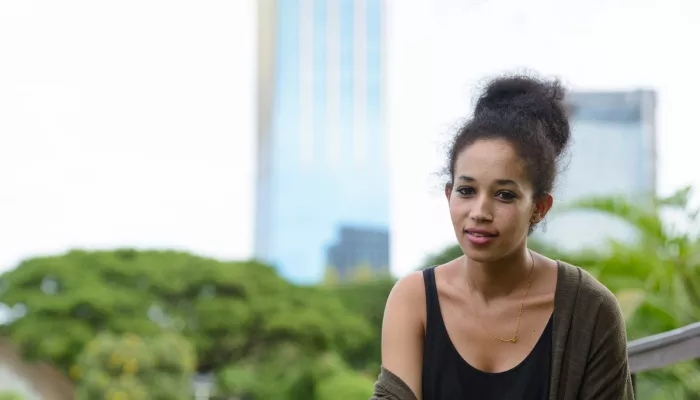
{"points": [[359, 248], [322, 148], [613, 153]]}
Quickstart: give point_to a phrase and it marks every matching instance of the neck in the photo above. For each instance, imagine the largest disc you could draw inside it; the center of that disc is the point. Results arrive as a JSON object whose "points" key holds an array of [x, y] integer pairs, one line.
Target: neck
{"points": [[500, 278]]}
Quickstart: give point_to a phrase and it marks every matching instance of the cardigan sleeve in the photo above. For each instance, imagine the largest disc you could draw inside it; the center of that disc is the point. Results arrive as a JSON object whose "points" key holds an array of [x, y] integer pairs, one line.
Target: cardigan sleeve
{"points": [[607, 374], [391, 387]]}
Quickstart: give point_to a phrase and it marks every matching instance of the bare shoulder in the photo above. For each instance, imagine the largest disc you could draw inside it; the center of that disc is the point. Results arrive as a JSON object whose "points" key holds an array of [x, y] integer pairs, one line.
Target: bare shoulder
{"points": [[405, 305], [403, 330], [409, 294]]}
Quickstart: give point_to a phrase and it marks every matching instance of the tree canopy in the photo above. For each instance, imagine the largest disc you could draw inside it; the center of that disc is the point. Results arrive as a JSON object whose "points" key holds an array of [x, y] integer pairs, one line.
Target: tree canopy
{"points": [[232, 312], [129, 367]]}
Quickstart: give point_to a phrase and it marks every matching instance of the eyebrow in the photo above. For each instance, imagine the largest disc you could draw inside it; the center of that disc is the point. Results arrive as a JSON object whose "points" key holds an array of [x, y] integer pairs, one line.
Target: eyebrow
{"points": [[501, 182]]}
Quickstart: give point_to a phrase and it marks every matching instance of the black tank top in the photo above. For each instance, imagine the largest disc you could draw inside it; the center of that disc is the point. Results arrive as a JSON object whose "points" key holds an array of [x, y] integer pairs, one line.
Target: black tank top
{"points": [[447, 376]]}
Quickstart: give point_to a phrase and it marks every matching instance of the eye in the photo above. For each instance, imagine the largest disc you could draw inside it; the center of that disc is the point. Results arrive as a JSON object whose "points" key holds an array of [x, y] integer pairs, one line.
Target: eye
{"points": [[466, 191], [506, 196]]}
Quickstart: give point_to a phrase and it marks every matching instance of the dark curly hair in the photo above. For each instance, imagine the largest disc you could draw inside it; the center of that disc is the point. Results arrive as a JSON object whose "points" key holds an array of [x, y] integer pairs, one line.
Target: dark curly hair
{"points": [[530, 114]]}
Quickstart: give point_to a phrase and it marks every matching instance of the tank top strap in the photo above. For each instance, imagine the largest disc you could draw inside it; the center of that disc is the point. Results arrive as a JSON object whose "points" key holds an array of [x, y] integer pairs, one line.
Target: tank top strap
{"points": [[434, 346], [432, 303]]}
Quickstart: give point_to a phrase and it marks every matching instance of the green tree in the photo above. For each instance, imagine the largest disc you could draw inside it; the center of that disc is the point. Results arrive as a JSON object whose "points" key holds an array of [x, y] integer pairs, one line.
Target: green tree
{"points": [[362, 273], [662, 265], [290, 374], [283, 366], [346, 385], [336, 381], [232, 312], [129, 367], [330, 276], [367, 299], [10, 396]]}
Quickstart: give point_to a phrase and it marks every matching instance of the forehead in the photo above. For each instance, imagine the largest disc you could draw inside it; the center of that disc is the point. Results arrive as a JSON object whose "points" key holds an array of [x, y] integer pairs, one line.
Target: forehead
{"points": [[490, 160]]}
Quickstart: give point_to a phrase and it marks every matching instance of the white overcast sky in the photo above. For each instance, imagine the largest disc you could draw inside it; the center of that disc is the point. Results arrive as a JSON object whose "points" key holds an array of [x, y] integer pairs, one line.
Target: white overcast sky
{"points": [[131, 123]]}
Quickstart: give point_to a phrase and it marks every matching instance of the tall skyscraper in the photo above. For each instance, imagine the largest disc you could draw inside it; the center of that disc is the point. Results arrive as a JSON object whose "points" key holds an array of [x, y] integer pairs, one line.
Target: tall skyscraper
{"points": [[613, 153], [322, 148]]}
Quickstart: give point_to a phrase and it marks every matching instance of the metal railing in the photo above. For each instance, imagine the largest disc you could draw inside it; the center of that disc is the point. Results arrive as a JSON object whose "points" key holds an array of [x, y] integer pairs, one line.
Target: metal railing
{"points": [[663, 349]]}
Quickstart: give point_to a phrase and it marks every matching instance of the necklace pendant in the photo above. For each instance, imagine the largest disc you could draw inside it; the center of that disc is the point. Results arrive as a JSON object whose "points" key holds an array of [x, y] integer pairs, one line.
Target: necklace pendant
{"points": [[514, 340]]}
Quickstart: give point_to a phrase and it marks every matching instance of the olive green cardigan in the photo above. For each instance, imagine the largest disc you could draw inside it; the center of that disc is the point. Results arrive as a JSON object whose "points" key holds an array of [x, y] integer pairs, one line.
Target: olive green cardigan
{"points": [[589, 352]]}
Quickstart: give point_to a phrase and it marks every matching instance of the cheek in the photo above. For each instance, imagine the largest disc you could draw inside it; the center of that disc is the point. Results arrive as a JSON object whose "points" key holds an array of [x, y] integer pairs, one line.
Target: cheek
{"points": [[458, 209], [515, 217]]}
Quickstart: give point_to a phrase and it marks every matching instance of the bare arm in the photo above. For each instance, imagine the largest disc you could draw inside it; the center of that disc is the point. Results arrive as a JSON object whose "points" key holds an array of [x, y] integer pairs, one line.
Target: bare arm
{"points": [[607, 374], [403, 331]]}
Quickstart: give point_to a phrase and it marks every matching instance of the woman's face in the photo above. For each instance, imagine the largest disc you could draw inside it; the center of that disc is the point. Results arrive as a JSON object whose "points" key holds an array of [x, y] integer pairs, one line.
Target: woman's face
{"points": [[491, 201]]}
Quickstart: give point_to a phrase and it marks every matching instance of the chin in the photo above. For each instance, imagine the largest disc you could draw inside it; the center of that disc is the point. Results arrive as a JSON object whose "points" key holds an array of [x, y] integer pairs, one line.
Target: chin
{"points": [[482, 255]]}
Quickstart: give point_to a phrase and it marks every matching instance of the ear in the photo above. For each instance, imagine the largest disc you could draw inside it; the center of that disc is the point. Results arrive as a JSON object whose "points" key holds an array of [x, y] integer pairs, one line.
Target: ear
{"points": [[542, 207], [448, 191]]}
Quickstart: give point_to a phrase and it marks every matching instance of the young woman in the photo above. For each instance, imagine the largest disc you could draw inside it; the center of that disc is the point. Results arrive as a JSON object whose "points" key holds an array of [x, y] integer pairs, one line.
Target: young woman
{"points": [[503, 322]]}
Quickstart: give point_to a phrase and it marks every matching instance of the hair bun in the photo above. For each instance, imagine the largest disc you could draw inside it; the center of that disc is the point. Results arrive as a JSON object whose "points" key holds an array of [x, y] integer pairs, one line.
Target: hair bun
{"points": [[531, 98]]}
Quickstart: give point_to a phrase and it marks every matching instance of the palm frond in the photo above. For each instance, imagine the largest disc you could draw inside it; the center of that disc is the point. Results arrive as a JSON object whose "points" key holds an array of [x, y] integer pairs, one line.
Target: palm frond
{"points": [[642, 218]]}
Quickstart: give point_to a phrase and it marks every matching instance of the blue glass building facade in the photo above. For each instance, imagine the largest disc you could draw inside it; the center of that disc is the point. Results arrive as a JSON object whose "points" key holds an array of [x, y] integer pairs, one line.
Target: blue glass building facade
{"points": [[322, 148], [359, 247], [613, 153]]}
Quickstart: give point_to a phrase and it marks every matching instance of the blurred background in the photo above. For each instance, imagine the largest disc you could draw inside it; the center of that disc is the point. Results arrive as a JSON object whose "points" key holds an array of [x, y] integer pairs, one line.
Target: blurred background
{"points": [[212, 200]]}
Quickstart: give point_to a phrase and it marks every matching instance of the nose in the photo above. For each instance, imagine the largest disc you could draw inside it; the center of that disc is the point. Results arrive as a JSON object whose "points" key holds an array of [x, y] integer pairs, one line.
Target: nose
{"points": [[481, 210]]}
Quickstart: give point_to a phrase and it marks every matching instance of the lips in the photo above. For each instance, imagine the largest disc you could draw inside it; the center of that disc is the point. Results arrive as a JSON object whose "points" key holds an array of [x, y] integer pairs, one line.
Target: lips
{"points": [[481, 233], [480, 236]]}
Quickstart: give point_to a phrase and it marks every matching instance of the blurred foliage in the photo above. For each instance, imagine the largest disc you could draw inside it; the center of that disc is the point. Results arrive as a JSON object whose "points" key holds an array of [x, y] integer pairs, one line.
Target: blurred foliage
{"points": [[239, 313], [229, 310], [265, 338], [291, 375], [338, 382], [367, 299], [128, 367], [10, 396]]}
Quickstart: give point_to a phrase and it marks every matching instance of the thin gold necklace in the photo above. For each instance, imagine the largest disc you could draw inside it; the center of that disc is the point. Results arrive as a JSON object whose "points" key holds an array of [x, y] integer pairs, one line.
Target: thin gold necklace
{"points": [[514, 339]]}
